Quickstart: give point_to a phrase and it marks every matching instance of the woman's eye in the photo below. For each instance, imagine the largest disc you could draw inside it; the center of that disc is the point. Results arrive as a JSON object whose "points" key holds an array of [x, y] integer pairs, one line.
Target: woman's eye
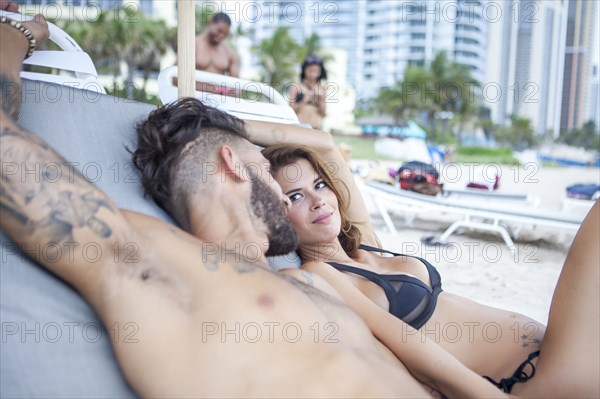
{"points": [[295, 197], [321, 184]]}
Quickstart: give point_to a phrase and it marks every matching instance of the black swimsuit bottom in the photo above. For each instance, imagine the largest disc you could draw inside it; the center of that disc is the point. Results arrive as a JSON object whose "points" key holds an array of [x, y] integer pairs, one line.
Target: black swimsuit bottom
{"points": [[410, 299]]}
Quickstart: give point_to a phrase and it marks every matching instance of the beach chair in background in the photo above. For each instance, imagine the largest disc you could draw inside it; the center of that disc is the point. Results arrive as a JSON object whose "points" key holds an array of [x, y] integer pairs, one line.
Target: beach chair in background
{"points": [[492, 217], [253, 101], [580, 198]]}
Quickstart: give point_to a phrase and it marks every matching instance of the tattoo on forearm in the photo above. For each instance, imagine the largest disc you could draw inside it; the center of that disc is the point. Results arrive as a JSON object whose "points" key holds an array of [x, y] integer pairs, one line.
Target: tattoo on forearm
{"points": [[40, 201], [10, 99]]}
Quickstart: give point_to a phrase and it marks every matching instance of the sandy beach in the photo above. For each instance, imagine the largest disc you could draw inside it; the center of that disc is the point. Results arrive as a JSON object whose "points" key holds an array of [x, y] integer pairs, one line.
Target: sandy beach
{"points": [[479, 265]]}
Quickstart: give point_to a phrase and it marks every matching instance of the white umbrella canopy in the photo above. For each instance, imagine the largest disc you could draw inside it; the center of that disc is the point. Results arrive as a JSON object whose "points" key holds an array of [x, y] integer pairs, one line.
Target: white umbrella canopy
{"points": [[186, 47]]}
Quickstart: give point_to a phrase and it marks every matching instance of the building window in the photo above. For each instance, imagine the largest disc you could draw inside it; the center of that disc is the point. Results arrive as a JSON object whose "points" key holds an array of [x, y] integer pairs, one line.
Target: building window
{"points": [[466, 40]]}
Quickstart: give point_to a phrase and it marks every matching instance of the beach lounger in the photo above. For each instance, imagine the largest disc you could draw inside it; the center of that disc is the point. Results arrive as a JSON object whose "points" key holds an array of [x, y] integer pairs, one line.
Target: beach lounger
{"points": [[53, 344], [83, 74], [484, 217], [262, 102]]}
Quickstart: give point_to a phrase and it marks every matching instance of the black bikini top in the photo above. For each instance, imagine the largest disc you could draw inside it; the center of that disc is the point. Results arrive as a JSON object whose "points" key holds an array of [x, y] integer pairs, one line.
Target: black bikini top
{"points": [[410, 299]]}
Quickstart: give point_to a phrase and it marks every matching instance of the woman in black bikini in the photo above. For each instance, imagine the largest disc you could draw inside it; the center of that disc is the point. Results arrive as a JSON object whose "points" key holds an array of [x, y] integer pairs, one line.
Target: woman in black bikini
{"points": [[338, 244], [307, 97]]}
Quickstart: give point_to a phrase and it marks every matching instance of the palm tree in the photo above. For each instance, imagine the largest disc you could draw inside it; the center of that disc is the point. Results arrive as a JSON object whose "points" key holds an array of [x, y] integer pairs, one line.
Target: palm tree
{"points": [[157, 39], [278, 57], [407, 97], [453, 89], [312, 46], [113, 39], [443, 86]]}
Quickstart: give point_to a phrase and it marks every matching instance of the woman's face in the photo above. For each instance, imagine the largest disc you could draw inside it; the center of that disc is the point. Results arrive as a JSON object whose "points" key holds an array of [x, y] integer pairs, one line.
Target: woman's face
{"points": [[312, 72], [314, 207]]}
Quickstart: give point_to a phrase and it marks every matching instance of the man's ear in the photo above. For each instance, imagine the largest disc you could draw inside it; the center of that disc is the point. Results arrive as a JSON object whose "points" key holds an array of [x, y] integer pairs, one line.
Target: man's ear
{"points": [[232, 164]]}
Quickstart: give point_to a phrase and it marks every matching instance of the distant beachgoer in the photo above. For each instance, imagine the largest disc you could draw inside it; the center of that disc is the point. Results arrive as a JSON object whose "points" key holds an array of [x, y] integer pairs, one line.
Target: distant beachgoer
{"points": [[307, 97], [212, 55]]}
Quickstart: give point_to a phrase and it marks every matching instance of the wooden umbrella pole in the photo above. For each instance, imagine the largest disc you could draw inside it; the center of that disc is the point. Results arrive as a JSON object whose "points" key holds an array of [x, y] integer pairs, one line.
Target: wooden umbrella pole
{"points": [[186, 47]]}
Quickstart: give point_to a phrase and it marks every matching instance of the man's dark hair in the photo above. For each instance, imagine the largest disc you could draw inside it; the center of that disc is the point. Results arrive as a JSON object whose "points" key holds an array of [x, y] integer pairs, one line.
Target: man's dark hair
{"points": [[177, 146], [221, 17]]}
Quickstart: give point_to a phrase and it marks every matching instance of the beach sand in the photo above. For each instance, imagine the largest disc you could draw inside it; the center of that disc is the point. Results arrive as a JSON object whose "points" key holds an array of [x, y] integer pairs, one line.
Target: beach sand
{"points": [[478, 265]]}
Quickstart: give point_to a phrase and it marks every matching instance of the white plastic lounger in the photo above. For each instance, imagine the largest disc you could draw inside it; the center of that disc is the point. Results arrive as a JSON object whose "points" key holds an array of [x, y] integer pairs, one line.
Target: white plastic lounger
{"points": [[477, 217], [264, 104], [492, 196], [71, 58]]}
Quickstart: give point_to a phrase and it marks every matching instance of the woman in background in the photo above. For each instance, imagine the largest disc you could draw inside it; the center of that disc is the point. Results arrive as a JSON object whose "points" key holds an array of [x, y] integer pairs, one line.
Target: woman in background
{"points": [[307, 97]]}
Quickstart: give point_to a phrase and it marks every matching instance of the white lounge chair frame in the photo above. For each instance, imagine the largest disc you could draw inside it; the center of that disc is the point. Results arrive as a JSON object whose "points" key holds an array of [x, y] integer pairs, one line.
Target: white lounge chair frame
{"points": [[72, 58], [276, 109], [386, 197]]}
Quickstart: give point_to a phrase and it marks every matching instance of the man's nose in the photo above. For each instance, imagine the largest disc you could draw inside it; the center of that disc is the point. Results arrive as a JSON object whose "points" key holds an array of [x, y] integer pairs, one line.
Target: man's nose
{"points": [[286, 202]]}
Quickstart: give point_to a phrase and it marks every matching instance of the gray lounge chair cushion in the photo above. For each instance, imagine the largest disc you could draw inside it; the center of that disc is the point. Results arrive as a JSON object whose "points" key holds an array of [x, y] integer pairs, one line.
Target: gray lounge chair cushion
{"points": [[53, 344]]}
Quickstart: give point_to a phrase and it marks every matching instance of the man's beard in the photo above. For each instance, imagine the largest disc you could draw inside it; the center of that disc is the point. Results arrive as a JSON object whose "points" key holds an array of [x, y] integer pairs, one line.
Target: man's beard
{"points": [[268, 208]]}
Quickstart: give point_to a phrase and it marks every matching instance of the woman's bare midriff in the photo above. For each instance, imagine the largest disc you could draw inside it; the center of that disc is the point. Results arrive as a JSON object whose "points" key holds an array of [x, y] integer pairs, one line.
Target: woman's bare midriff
{"points": [[309, 113]]}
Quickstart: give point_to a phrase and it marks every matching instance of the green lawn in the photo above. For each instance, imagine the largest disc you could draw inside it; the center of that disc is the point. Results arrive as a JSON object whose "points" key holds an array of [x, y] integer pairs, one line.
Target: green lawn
{"points": [[362, 147], [485, 155]]}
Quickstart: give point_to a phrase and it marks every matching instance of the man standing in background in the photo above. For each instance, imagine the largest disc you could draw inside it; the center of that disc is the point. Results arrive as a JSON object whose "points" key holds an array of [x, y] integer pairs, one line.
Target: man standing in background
{"points": [[212, 55]]}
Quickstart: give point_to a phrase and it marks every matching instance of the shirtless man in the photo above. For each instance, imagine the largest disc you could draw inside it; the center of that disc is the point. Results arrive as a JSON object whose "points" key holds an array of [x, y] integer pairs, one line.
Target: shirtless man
{"points": [[212, 55], [189, 289]]}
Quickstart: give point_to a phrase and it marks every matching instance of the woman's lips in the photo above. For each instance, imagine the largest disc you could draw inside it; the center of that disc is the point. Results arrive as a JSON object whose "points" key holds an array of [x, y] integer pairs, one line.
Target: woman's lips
{"points": [[322, 219]]}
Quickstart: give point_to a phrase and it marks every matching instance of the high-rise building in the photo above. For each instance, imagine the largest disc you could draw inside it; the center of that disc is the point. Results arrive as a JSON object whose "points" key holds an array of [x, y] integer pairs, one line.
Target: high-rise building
{"points": [[581, 41], [594, 106], [382, 37], [524, 63], [339, 25]]}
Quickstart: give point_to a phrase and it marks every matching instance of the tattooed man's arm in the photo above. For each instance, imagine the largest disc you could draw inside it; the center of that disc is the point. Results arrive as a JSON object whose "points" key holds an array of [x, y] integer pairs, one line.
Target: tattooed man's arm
{"points": [[52, 213]]}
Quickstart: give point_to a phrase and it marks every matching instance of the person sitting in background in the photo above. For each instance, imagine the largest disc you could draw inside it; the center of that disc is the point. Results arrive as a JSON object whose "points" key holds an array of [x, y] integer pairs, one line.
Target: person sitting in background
{"points": [[307, 97]]}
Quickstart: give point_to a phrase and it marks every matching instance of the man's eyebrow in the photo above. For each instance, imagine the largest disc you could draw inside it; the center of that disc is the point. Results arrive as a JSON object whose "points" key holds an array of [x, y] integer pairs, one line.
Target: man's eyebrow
{"points": [[298, 189]]}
